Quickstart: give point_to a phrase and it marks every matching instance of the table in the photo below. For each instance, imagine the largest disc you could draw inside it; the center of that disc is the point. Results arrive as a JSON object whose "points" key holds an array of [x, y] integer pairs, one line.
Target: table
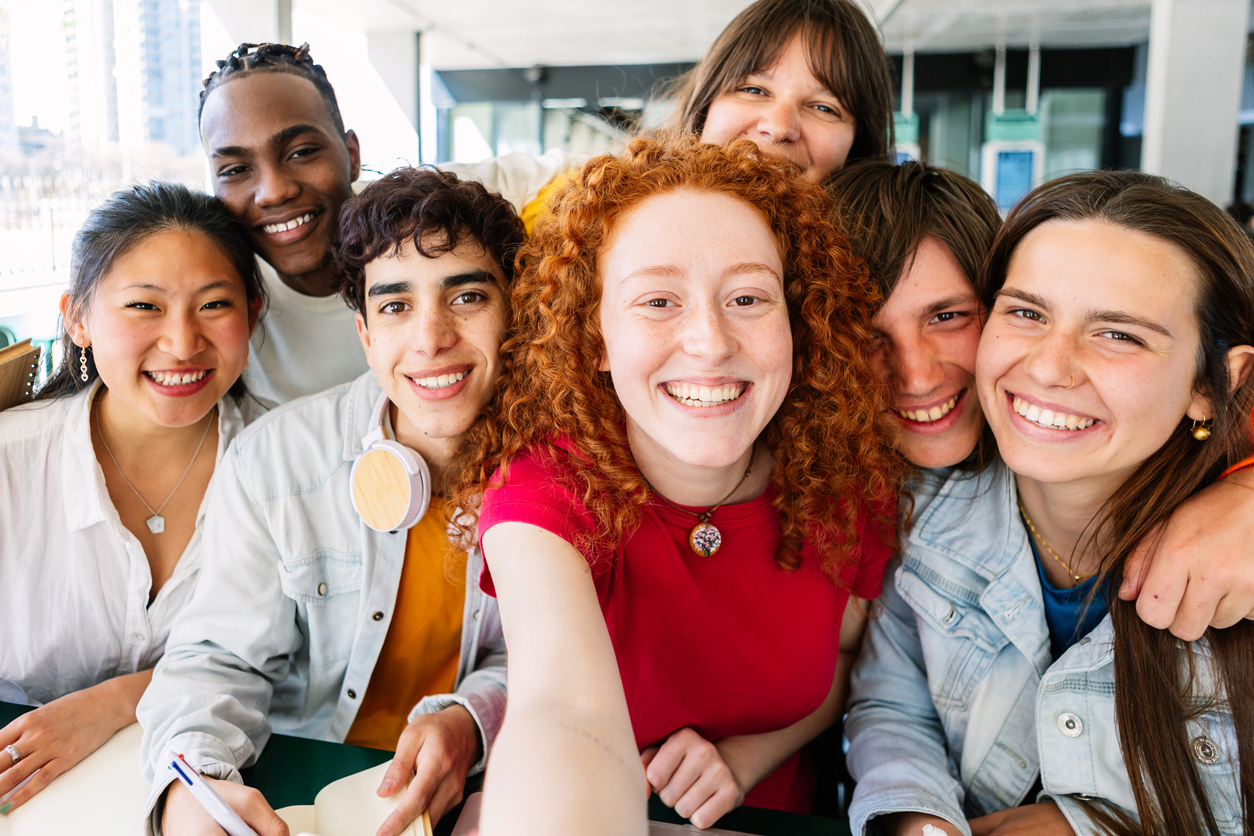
{"points": [[291, 770]]}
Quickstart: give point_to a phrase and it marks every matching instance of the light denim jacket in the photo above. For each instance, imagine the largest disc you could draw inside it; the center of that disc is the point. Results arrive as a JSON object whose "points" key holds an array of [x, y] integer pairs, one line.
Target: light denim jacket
{"points": [[955, 706], [294, 602]]}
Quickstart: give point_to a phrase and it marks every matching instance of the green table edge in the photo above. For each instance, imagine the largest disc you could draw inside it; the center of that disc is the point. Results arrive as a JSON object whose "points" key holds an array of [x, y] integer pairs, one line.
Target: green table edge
{"points": [[291, 771]]}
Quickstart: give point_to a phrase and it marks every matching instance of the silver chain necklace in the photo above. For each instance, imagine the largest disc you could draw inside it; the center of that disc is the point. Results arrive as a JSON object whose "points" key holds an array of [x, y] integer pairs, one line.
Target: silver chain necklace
{"points": [[156, 523]]}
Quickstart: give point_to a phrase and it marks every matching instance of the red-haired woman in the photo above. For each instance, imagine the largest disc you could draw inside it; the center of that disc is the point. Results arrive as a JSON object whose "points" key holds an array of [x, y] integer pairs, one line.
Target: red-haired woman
{"points": [[685, 481]]}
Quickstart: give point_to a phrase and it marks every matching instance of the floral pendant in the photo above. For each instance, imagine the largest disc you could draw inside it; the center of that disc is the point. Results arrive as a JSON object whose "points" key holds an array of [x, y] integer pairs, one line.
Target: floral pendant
{"points": [[705, 539], [156, 523]]}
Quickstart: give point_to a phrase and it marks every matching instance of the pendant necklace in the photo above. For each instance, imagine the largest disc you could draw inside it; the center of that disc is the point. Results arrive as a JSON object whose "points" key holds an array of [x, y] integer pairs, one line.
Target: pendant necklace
{"points": [[156, 523], [705, 538], [1076, 577]]}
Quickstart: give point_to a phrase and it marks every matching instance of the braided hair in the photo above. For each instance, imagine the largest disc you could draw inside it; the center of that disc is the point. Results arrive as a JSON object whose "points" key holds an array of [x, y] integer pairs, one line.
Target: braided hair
{"points": [[274, 58]]}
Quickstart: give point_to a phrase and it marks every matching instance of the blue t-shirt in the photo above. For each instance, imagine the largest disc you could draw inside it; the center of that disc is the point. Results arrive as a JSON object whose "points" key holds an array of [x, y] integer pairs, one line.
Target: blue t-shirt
{"points": [[1065, 614]]}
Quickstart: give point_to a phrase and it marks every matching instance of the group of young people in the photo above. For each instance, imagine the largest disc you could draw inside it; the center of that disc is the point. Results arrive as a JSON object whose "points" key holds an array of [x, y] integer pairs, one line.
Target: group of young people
{"points": [[722, 436]]}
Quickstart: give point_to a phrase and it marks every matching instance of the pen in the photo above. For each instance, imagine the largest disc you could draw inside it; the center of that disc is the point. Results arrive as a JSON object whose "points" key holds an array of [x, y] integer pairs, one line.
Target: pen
{"points": [[222, 813]]}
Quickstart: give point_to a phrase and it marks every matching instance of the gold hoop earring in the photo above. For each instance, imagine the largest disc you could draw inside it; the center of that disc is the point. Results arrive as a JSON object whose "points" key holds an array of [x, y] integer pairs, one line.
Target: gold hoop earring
{"points": [[1201, 429], [1072, 386]]}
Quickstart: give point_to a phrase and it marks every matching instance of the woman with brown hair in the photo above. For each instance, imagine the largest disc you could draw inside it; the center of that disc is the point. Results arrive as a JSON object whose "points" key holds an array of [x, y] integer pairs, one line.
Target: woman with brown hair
{"points": [[924, 232], [805, 79], [684, 483], [1114, 373]]}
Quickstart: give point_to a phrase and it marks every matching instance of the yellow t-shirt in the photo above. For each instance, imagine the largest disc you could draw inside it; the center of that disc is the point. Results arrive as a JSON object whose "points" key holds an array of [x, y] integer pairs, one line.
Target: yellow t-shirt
{"points": [[423, 645], [540, 206]]}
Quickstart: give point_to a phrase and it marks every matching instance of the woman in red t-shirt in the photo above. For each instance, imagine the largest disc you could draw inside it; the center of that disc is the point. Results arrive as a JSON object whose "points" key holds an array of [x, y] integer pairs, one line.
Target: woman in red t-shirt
{"points": [[688, 474]]}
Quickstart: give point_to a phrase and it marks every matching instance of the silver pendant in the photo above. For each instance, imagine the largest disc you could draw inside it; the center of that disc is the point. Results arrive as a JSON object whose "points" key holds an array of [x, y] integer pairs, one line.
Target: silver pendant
{"points": [[156, 523], [705, 539]]}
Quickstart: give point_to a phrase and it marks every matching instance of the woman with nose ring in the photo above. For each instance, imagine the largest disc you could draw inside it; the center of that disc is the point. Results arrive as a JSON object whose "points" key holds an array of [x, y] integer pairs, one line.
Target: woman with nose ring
{"points": [[102, 477], [924, 233], [1006, 688]]}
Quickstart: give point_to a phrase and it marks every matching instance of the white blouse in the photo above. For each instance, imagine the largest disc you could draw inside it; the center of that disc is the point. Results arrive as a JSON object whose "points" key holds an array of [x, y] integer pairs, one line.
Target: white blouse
{"points": [[74, 582]]}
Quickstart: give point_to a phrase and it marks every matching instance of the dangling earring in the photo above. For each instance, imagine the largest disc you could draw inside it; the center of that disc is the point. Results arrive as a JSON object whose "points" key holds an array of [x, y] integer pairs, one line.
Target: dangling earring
{"points": [[1201, 429], [82, 365]]}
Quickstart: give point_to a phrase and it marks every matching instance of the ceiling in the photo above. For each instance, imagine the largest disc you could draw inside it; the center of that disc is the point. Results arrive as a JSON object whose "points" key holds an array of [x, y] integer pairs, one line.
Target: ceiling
{"points": [[484, 34]]}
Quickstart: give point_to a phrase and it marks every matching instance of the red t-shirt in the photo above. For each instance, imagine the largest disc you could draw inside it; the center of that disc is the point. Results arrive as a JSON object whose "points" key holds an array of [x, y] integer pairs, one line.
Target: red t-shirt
{"points": [[727, 644]]}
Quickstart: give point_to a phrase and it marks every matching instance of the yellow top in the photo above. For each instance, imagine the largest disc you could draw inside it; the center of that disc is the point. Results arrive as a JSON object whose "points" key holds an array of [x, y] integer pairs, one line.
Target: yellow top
{"points": [[540, 207], [423, 645]]}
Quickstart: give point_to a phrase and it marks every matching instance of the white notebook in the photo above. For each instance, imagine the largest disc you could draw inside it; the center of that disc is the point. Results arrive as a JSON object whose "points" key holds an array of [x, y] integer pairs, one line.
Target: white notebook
{"points": [[350, 807], [104, 796]]}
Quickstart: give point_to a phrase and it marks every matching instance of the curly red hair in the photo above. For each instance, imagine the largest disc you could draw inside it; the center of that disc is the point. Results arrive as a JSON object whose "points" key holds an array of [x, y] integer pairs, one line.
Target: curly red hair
{"points": [[833, 449]]}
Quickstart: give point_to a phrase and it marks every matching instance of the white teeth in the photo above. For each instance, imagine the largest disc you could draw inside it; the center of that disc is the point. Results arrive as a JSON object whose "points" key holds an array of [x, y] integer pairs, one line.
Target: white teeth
{"points": [[292, 224], [174, 378], [442, 381], [1049, 419], [927, 416], [704, 396]]}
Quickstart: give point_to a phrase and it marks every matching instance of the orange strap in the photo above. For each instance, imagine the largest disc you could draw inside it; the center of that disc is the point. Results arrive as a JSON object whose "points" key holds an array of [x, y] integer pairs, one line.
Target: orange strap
{"points": [[1243, 463]]}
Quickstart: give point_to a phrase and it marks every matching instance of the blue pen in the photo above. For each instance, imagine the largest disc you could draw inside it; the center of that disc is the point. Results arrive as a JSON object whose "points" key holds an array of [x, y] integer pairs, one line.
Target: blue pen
{"points": [[222, 813]]}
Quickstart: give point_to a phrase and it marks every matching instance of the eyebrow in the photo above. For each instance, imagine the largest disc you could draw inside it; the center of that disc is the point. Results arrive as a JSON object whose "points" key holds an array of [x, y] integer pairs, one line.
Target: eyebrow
{"points": [[389, 289], [1093, 314], [277, 141], [446, 283], [469, 277], [156, 288], [672, 271], [950, 302]]}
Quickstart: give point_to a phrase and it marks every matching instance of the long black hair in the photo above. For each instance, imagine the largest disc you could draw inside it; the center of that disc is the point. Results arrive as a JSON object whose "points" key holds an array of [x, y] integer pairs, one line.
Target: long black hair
{"points": [[116, 227]]}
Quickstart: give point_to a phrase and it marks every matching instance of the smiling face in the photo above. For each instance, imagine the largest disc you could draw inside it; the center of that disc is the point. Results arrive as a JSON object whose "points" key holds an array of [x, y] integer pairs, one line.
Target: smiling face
{"points": [[1087, 362], [928, 331], [697, 338], [787, 111], [168, 327], [280, 165], [432, 329]]}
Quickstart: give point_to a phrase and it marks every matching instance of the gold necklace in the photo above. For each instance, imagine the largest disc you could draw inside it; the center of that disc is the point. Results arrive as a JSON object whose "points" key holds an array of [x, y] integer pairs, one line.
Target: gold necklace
{"points": [[705, 538], [1052, 553]]}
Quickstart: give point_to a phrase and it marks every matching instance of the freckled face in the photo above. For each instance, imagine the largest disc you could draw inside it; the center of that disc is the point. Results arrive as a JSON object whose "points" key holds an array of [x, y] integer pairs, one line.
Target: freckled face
{"points": [[928, 331], [697, 338], [432, 330], [1087, 362], [168, 327], [787, 111]]}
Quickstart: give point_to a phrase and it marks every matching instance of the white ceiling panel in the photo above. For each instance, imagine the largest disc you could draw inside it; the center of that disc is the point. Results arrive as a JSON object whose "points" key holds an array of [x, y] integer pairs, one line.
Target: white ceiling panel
{"points": [[469, 34]]}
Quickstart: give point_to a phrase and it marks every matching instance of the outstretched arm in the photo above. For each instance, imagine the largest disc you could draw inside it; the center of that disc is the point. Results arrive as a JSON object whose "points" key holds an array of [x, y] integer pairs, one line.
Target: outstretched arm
{"points": [[1198, 570], [565, 760]]}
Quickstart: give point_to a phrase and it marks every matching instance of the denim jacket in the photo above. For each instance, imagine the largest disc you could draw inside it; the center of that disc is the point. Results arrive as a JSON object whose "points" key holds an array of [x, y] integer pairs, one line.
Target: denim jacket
{"points": [[294, 602], [956, 708]]}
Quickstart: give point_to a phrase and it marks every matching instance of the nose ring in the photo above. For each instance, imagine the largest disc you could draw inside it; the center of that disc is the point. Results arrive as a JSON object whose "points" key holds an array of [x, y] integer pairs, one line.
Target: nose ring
{"points": [[1072, 383]]}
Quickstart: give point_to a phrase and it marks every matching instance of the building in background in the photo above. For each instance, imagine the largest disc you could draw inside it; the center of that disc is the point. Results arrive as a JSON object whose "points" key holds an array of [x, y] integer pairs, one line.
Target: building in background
{"points": [[8, 121], [134, 74]]}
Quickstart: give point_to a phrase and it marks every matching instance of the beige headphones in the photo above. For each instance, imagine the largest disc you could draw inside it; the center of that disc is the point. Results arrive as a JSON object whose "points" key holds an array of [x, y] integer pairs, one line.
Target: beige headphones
{"points": [[391, 484]]}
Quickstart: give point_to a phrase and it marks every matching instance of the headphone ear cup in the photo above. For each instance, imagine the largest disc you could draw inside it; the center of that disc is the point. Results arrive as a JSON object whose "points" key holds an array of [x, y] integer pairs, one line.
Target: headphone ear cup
{"points": [[391, 486]]}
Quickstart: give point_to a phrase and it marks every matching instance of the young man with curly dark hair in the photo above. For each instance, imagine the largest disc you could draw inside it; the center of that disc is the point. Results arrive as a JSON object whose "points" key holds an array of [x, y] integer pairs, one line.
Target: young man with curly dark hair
{"points": [[308, 622]]}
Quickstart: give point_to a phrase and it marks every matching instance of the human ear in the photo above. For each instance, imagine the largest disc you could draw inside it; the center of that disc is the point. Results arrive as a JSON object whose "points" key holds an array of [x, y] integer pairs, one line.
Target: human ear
{"points": [[363, 334], [254, 314], [75, 325], [354, 155], [1240, 364]]}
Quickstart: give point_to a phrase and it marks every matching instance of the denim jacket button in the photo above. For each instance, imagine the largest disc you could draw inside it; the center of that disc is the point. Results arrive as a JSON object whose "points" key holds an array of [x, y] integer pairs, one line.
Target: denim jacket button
{"points": [[1205, 750], [1070, 725], [1082, 642], [951, 615], [322, 589]]}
